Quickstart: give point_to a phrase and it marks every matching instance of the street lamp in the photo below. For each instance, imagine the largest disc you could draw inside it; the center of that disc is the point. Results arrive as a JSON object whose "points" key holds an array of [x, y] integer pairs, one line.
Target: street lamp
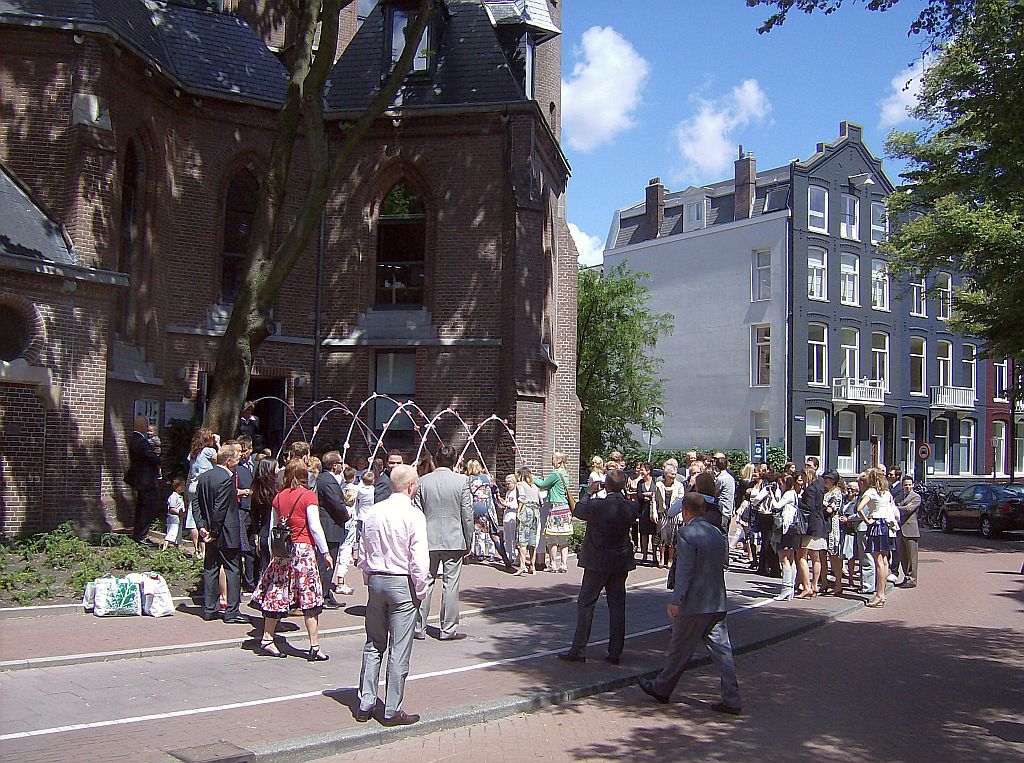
{"points": [[995, 448]]}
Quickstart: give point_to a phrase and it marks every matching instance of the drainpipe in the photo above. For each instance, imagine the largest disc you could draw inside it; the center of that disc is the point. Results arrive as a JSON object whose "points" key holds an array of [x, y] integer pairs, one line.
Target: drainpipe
{"points": [[317, 328]]}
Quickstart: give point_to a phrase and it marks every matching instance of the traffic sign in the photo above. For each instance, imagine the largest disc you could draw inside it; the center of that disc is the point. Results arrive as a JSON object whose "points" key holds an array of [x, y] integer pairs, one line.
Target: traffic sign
{"points": [[758, 455], [924, 451]]}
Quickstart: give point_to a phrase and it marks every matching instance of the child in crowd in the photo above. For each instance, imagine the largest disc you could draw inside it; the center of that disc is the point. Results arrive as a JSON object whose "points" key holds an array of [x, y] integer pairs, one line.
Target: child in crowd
{"points": [[175, 511], [349, 491]]}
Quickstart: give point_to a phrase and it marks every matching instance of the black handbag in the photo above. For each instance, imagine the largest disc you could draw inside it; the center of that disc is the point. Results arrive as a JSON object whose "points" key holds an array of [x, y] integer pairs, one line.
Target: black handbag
{"points": [[281, 543]]}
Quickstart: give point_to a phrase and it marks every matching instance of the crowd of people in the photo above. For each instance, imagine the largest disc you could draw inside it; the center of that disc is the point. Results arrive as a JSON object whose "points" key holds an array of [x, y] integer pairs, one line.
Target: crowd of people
{"points": [[290, 534]]}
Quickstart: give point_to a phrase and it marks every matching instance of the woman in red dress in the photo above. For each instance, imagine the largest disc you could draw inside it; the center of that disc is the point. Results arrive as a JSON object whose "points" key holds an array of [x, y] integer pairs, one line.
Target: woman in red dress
{"points": [[294, 582]]}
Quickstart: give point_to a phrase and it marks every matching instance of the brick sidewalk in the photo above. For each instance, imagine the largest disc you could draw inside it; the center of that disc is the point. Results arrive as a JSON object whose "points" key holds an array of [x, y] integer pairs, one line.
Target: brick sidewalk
{"points": [[936, 675]]}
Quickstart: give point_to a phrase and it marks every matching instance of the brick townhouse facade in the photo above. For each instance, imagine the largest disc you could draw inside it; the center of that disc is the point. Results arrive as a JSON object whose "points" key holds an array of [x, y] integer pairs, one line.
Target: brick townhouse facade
{"points": [[133, 139]]}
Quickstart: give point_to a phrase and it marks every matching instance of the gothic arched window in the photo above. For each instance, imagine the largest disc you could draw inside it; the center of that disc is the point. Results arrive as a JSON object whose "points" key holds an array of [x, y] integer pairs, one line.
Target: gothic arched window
{"points": [[401, 248], [239, 212]]}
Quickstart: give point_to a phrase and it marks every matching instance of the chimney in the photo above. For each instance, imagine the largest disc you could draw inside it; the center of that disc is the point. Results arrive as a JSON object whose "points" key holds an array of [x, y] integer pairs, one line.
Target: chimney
{"points": [[655, 207], [746, 181]]}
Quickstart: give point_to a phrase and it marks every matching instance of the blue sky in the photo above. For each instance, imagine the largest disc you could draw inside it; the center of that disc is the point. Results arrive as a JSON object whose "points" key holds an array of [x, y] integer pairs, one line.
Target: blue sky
{"points": [[668, 88]]}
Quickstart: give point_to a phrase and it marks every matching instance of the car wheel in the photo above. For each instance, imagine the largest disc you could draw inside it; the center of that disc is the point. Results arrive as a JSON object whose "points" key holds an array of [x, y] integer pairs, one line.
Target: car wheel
{"points": [[944, 523], [988, 530]]}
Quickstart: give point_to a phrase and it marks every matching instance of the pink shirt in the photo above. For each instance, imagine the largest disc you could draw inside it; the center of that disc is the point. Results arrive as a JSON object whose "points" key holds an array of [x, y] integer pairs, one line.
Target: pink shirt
{"points": [[394, 541]]}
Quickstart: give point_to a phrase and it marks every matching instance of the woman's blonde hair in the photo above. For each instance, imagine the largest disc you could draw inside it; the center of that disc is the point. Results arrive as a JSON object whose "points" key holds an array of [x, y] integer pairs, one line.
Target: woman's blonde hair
{"points": [[296, 474], [747, 472], [597, 464], [558, 458], [473, 467]]}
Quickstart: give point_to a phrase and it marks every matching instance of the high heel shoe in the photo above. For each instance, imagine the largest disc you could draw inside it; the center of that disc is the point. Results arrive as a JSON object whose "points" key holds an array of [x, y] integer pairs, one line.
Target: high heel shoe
{"points": [[315, 655], [876, 603], [266, 648]]}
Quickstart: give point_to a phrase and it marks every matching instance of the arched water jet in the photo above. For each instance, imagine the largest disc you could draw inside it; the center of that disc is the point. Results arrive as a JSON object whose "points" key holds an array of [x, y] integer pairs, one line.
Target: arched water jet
{"points": [[285, 404], [472, 441]]}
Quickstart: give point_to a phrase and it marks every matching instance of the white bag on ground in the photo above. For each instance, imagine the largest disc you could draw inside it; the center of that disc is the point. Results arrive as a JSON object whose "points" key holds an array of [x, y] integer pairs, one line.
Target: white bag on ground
{"points": [[89, 596], [156, 596], [116, 596]]}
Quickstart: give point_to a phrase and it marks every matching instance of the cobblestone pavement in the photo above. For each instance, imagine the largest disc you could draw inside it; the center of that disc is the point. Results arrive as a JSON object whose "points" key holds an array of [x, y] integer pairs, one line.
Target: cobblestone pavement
{"points": [[936, 675]]}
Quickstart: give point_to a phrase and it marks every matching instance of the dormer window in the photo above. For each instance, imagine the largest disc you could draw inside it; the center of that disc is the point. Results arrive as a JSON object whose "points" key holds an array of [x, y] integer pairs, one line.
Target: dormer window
{"points": [[693, 215], [400, 19]]}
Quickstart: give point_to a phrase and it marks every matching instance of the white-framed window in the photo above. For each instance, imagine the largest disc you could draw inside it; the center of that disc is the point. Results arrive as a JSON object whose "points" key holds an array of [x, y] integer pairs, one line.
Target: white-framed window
{"points": [[846, 434], [761, 355], [849, 279], [849, 217], [879, 222], [1018, 437], [940, 445], [399, 21], [919, 299], [849, 356], [817, 274], [814, 440], [395, 375], [693, 215], [967, 446], [879, 285], [876, 436], [880, 358], [908, 442], [817, 354], [1002, 381], [918, 372], [944, 285], [762, 276], [817, 208], [759, 428], [999, 447], [969, 363], [944, 353]]}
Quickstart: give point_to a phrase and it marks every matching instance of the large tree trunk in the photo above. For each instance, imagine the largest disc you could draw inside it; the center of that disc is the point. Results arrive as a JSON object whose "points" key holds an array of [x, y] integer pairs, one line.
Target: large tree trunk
{"points": [[267, 266]]}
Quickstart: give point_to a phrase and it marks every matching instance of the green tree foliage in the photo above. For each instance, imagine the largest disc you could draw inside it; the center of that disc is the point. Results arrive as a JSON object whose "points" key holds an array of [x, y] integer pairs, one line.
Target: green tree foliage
{"points": [[616, 373]]}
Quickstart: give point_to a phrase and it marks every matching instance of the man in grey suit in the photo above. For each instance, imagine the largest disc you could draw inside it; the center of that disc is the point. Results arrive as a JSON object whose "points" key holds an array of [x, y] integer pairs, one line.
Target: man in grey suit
{"points": [[910, 534], [445, 500], [698, 608]]}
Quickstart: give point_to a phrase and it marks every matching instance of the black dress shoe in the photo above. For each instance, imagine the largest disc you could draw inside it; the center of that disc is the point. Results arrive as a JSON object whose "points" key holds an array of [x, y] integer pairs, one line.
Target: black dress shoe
{"points": [[613, 660], [331, 604], [214, 616], [362, 716], [456, 637], [721, 707], [238, 620], [647, 687], [570, 657], [401, 718]]}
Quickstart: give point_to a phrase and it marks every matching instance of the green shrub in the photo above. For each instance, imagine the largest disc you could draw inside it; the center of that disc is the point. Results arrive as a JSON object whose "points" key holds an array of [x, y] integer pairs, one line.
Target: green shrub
{"points": [[22, 597], [85, 574], [112, 540], [126, 558], [579, 529]]}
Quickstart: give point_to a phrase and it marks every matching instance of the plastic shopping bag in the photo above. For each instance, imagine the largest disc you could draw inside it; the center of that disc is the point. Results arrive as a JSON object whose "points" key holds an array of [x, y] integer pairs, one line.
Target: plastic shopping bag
{"points": [[115, 597]]}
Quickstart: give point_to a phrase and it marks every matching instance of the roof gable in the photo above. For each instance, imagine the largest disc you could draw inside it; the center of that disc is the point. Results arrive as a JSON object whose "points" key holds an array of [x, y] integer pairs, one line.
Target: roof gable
{"points": [[25, 229]]}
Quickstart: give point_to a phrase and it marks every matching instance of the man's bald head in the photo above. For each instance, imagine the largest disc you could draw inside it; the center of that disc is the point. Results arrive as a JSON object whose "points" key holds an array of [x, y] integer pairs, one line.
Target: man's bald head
{"points": [[404, 479], [615, 481], [141, 424]]}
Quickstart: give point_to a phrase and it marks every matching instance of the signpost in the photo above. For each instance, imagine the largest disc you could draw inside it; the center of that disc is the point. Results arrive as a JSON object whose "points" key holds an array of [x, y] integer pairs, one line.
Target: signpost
{"points": [[757, 455]]}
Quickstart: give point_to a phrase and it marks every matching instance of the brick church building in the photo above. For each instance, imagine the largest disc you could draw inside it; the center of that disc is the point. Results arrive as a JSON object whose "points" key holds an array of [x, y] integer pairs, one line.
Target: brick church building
{"points": [[133, 138]]}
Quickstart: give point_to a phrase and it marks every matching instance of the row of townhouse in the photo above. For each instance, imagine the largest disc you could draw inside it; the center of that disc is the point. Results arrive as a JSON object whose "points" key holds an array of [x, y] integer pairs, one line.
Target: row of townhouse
{"points": [[789, 330]]}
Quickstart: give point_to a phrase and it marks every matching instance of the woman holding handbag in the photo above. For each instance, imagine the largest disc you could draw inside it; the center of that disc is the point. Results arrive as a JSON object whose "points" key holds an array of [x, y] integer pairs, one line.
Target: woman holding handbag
{"points": [[558, 526], [292, 580]]}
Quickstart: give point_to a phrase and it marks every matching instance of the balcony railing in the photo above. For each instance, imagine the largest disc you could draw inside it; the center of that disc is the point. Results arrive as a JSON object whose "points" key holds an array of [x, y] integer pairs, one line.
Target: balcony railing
{"points": [[953, 398], [847, 390]]}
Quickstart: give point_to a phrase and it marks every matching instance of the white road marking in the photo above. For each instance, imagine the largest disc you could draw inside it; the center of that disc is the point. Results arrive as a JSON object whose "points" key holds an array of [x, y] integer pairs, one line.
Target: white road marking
{"points": [[311, 694]]}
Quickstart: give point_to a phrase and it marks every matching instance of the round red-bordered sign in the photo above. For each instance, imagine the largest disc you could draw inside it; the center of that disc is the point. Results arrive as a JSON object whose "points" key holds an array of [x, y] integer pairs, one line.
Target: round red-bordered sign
{"points": [[924, 451]]}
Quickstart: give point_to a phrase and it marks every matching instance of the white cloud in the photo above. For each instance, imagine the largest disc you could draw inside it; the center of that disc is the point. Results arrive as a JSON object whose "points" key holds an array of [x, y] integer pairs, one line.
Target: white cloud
{"points": [[590, 248], [905, 88], [601, 95], [705, 141]]}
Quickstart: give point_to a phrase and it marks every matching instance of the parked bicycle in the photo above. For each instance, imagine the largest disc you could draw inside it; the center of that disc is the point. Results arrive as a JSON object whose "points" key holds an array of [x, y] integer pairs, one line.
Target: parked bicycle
{"points": [[933, 496]]}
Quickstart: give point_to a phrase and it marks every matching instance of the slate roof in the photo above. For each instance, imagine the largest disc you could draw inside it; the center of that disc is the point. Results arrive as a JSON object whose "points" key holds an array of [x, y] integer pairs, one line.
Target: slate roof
{"points": [[533, 14], [470, 66], [204, 52], [25, 229]]}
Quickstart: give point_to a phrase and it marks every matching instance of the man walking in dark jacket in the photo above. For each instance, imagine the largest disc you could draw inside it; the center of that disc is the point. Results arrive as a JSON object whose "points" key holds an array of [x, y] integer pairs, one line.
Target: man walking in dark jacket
{"points": [[144, 476], [606, 557], [333, 516], [221, 530]]}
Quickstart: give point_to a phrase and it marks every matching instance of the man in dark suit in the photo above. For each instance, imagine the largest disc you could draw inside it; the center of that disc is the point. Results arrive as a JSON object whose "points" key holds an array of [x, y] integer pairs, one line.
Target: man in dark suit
{"points": [[333, 516], [220, 528], [243, 481], [143, 476], [698, 608], [606, 557]]}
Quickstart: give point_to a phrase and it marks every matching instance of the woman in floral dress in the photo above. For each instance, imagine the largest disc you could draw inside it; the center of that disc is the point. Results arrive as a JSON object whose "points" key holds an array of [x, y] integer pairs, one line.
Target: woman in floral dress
{"points": [[294, 582]]}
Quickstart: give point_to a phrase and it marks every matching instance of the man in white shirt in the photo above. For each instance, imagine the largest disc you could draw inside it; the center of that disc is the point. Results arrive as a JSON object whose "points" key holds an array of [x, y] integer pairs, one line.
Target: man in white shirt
{"points": [[395, 562]]}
